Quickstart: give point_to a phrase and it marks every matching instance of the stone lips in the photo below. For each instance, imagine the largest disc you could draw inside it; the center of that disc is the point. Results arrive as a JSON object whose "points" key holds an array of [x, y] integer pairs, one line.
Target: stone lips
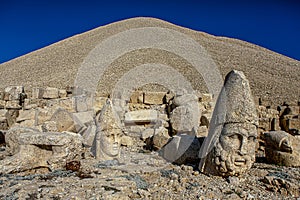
{"points": [[269, 73]]}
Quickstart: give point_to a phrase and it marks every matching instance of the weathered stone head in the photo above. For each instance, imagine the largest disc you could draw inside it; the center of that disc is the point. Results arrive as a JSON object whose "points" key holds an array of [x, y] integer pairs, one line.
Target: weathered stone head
{"points": [[282, 148], [108, 136], [229, 149]]}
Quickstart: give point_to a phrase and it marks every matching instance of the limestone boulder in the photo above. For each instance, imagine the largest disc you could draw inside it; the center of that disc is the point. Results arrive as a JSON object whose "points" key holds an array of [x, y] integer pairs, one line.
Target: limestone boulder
{"points": [[160, 138], [12, 138], [182, 149]]}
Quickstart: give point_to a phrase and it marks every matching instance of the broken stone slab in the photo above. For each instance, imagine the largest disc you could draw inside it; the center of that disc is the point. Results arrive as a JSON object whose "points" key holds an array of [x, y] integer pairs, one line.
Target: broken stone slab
{"points": [[282, 148], [62, 93], [154, 98], [26, 115], [182, 149], [49, 150], [82, 103], [66, 121], [141, 117], [160, 138], [88, 135], [12, 138], [137, 97], [14, 92], [87, 118], [185, 118]]}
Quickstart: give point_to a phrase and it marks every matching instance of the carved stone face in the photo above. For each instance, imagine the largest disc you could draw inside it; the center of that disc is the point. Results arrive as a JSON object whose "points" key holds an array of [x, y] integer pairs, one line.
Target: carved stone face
{"points": [[235, 152], [110, 142]]}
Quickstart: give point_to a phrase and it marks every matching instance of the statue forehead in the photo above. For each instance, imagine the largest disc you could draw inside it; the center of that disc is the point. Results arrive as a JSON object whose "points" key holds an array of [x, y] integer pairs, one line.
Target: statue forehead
{"points": [[245, 129]]}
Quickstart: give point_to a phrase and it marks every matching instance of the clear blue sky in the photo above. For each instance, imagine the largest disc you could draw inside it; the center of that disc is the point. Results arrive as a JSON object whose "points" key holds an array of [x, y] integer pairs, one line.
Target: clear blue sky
{"points": [[29, 25]]}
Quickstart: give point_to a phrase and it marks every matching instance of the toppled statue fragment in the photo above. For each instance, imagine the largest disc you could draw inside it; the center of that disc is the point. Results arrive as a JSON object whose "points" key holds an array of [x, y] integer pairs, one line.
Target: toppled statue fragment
{"points": [[229, 149], [107, 141], [282, 148], [43, 150]]}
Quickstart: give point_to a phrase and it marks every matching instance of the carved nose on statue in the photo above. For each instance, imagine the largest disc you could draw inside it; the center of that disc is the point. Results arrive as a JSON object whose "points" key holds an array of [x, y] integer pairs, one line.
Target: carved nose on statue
{"points": [[243, 148]]}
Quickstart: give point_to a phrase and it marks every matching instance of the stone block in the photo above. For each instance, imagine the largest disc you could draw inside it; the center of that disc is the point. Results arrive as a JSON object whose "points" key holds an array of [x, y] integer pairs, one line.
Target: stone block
{"points": [[49, 126], [86, 118], [147, 133], [66, 121], [12, 138], [3, 123], [82, 103], [37, 93], [154, 98], [43, 114], [202, 131], [67, 104], [51, 93], [141, 117], [294, 123], [2, 104], [282, 148], [13, 104], [182, 149], [3, 112], [160, 138], [206, 97], [26, 115], [126, 141], [14, 92], [89, 135], [62, 93], [137, 97], [98, 104], [30, 123]]}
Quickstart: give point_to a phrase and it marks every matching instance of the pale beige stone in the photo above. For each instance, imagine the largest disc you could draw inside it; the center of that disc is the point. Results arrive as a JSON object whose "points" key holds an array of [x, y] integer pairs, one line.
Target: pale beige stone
{"points": [[2, 104], [229, 149], [137, 97], [50, 93], [37, 93], [282, 148], [26, 115], [108, 136], [153, 98], [14, 92], [13, 104], [126, 141], [141, 116]]}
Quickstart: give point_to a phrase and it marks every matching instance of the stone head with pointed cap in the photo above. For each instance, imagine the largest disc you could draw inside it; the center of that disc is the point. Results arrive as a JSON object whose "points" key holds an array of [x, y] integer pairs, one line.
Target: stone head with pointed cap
{"points": [[108, 135], [229, 149]]}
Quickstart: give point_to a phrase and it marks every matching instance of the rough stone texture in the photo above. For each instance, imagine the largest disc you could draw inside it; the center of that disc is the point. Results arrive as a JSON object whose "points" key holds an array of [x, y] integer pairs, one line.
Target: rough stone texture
{"points": [[66, 121], [185, 117], [141, 116], [160, 138], [282, 148], [154, 97], [229, 149], [37, 93], [182, 149], [126, 141], [14, 92], [48, 150], [25, 115], [106, 145], [12, 138], [49, 126], [51, 93], [137, 97]]}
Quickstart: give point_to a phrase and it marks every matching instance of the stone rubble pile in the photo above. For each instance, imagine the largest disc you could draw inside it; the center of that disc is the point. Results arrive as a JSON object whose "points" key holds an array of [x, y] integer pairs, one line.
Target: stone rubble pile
{"points": [[51, 122]]}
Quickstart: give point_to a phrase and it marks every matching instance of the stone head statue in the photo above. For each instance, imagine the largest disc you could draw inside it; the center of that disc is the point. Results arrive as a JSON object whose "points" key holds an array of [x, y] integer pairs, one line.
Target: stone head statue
{"points": [[107, 141], [229, 149]]}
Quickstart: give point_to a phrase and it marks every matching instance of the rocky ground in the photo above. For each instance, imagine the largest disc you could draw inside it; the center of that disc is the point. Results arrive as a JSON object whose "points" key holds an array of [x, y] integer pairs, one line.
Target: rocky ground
{"points": [[142, 174]]}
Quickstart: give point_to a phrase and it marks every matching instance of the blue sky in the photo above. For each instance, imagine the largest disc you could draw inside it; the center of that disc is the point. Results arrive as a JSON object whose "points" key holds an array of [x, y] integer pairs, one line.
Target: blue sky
{"points": [[29, 25]]}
